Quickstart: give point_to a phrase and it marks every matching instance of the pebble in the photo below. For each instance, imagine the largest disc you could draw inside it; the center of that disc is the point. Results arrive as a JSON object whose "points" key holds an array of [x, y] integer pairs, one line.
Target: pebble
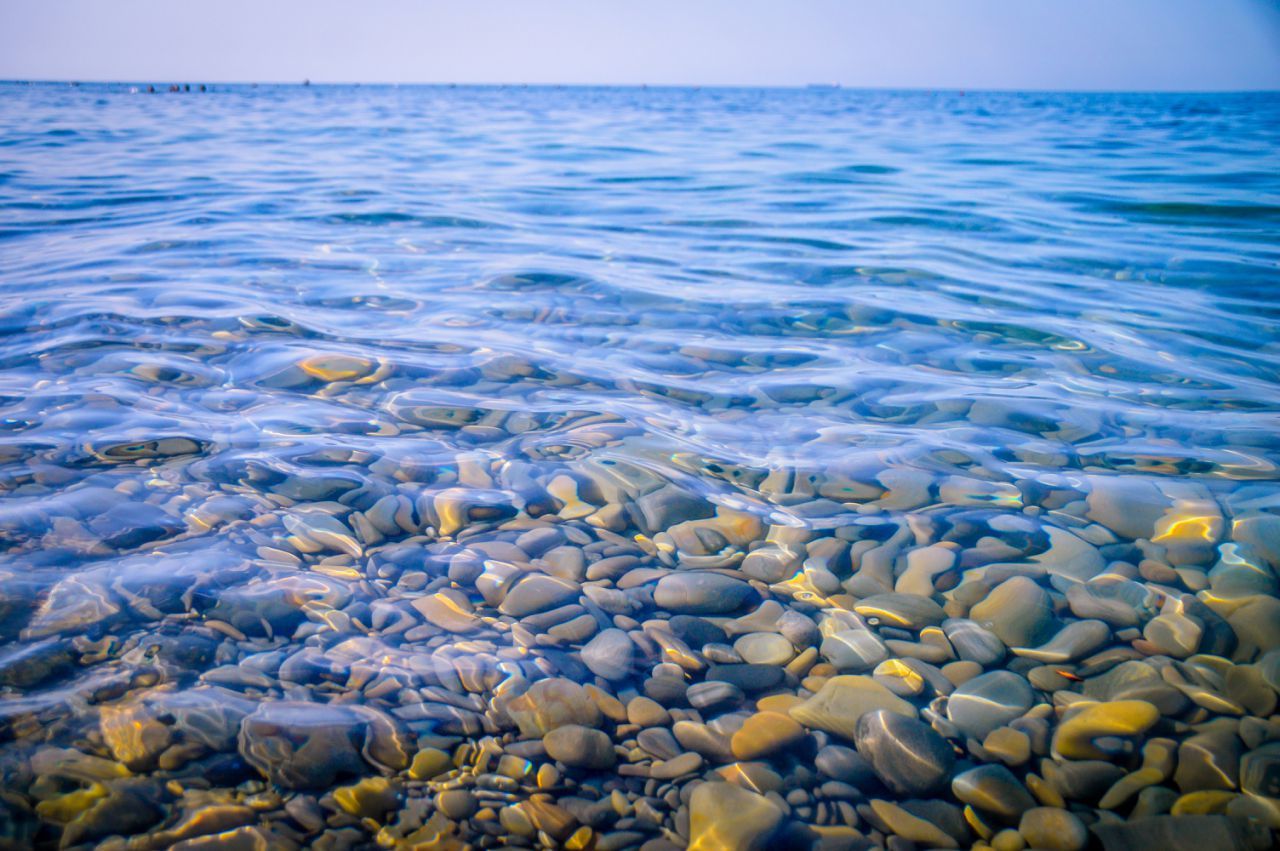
{"points": [[854, 650], [580, 747], [843, 700], [1053, 829], [909, 611], [702, 593], [538, 592], [610, 655], [1018, 611], [765, 734], [1101, 730], [645, 712], [764, 648], [993, 789], [724, 816], [905, 753], [988, 701]]}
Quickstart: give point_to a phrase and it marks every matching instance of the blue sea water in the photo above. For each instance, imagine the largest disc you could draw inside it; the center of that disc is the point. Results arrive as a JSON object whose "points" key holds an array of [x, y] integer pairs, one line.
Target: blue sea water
{"points": [[277, 360]]}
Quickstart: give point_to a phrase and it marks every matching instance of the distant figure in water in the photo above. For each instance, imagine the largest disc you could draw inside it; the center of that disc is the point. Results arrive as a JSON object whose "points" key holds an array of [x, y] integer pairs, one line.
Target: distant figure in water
{"points": [[151, 90], [186, 87], [202, 87], [306, 82]]}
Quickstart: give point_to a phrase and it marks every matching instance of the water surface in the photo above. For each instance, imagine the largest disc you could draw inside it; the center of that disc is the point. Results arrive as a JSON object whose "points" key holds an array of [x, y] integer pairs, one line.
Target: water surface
{"points": [[297, 384]]}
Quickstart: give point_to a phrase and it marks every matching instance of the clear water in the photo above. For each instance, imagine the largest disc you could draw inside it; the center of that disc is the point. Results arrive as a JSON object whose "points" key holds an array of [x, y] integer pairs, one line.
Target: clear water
{"points": [[223, 310]]}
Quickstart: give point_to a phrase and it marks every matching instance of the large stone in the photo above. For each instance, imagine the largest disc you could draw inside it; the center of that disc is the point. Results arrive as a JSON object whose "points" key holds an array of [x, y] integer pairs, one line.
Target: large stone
{"points": [[726, 817], [993, 789], [1018, 611], [699, 592], [906, 754], [552, 703], [989, 701], [841, 701], [610, 655], [580, 747]]}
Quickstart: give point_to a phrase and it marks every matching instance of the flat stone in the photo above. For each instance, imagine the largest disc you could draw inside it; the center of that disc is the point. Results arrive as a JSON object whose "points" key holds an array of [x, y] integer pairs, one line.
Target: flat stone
{"points": [[702, 593], [644, 712], [989, 701], [764, 734], [687, 763], [1101, 730], [908, 611], [973, 642], [449, 609], [906, 754], [1130, 506], [1053, 829], [580, 747], [713, 694], [923, 565], [1074, 641], [1018, 611], [844, 764], [854, 650], [610, 655], [842, 700], [723, 816], [537, 592], [764, 648], [697, 632], [911, 827], [993, 789], [552, 703]]}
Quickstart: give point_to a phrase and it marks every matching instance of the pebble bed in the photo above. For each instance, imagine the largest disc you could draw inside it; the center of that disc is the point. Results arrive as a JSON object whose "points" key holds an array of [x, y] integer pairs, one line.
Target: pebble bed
{"points": [[585, 655], [638, 470]]}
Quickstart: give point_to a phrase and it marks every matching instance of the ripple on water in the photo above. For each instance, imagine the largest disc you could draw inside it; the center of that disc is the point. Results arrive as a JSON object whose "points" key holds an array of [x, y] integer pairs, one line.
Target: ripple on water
{"points": [[607, 467]]}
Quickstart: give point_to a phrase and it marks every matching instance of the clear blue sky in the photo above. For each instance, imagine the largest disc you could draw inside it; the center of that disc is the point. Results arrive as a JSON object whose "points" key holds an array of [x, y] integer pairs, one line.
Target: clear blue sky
{"points": [[1043, 44]]}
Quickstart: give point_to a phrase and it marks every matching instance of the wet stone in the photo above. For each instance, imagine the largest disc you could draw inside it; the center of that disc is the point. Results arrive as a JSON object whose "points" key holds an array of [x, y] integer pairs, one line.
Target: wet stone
{"points": [[1018, 611], [842, 701], [988, 701], [905, 753], [995, 790], [702, 593], [580, 747], [609, 655], [724, 816]]}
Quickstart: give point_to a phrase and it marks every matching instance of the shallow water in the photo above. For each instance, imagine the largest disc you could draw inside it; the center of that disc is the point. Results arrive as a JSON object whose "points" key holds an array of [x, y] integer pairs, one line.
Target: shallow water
{"points": [[279, 363]]}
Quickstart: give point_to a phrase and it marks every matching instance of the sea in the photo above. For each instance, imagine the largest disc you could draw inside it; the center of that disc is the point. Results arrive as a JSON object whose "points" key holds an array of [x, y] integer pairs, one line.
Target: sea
{"points": [[637, 467]]}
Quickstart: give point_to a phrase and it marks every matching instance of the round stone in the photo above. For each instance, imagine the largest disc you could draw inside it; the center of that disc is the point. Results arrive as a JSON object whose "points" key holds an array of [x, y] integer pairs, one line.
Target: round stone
{"points": [[764, 734], [1018, 611], [764, 648], [989, 701], [841, 701], [1103, 730], [456, 804], [644, 712], [1053, 829], [723, 816], [908, 611], [854, 650], [580, 747], [609, 655], [993, 789], [700, 592], [844, 764], [906, 753]]}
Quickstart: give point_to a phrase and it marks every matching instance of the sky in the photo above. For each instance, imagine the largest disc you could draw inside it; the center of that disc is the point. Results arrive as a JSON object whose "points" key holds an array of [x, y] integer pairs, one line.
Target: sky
{"points": [[1181, 45]]}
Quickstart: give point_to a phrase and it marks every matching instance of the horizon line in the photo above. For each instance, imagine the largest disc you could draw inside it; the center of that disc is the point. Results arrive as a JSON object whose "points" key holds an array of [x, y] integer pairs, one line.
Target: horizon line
{"points": [[814, 85]]}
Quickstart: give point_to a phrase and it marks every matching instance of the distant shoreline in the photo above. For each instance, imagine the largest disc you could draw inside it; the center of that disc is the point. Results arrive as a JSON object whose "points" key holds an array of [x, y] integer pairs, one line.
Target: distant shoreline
{"points": [[818, 88]]}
